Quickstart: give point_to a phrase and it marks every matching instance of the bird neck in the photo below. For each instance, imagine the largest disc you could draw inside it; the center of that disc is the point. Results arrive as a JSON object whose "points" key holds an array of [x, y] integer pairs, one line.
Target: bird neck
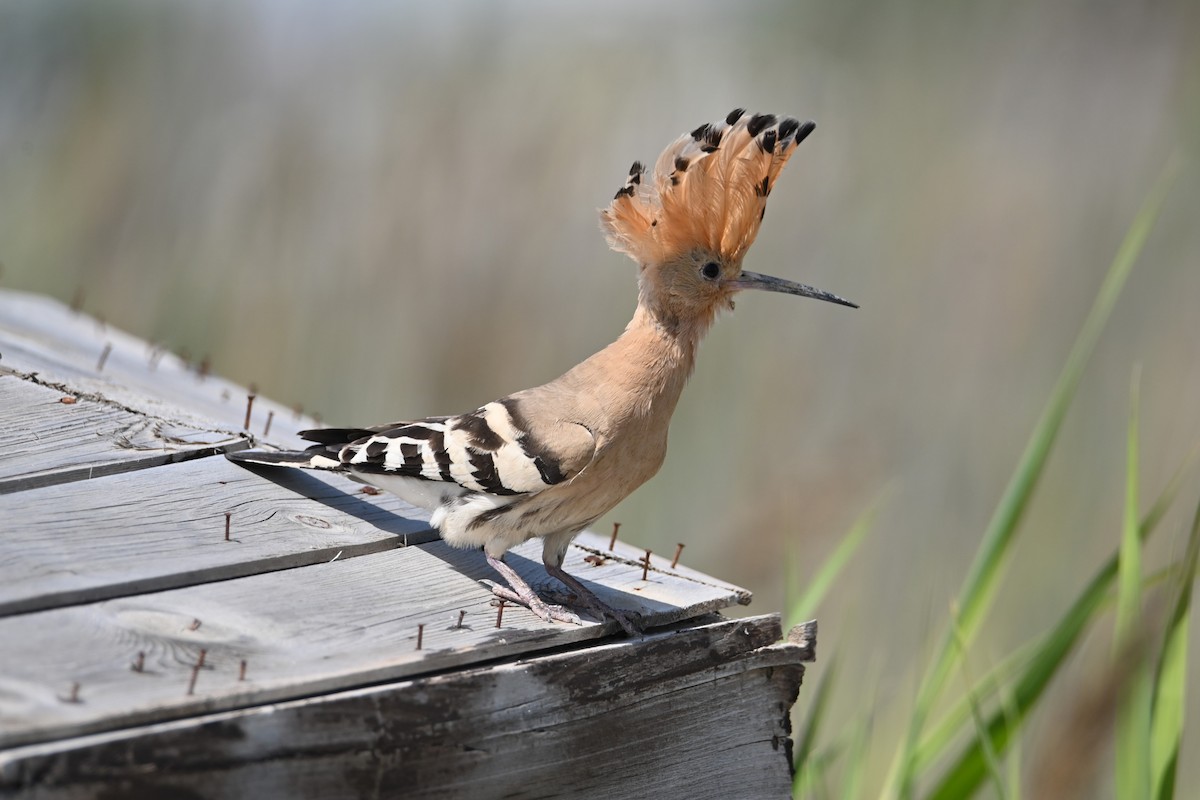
{"points": [[637, 380], [651, 361]]}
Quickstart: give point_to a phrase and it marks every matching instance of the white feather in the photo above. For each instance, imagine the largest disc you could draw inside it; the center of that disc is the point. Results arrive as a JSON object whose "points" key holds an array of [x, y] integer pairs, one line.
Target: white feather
{"points": [[515, 468], [429, 495]]}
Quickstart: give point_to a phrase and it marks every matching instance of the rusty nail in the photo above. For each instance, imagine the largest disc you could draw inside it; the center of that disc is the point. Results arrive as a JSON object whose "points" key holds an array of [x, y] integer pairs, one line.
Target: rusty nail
{"points": [[195, 626], [227, 514], [420, 634], [242, 670], [613, 541], [267, 427], [199, 665], [140, 664], [73, 697], [103, 357], [499, 613], [204, 367], [249, 405], [461, 614], [646, 566], [678, 552]]}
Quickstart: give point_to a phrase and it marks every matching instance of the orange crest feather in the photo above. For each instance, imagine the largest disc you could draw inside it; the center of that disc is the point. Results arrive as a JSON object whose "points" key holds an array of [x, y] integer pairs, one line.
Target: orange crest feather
{"points": [[708, 190]]}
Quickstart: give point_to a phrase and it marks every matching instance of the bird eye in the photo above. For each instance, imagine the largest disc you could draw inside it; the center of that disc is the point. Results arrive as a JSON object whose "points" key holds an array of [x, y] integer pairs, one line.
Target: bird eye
{"points": [[711, 270]]}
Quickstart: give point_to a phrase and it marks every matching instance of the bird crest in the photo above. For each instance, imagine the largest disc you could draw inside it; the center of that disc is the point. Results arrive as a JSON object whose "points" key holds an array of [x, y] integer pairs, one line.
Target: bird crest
{"points": [[708, 190]]}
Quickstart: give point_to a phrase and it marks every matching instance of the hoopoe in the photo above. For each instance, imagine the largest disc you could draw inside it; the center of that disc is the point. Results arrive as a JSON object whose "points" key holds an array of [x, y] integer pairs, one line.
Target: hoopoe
{"points": [[549, 461]]}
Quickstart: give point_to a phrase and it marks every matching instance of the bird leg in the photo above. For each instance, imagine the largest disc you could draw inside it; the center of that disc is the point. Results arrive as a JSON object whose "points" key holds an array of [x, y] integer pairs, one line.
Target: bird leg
{"points": [[521, 592], [630, 621]]}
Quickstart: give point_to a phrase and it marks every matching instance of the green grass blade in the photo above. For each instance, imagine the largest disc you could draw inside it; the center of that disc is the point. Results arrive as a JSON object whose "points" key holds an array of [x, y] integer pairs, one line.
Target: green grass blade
{"points": [[1132, 753], [979, 588], [1129, 581], [815, 783], [968, 771], [805, 606], [990, 759], [936, 742], [807, 782], [1170, 682], [1167, 498], [1014, 756], [856, 760], [966, 774], [949, 726], [812, 725], [1129, 578]]}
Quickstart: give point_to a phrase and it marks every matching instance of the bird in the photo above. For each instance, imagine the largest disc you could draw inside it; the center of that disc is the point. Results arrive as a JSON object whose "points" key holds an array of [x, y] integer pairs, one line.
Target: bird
{"points": [[548, 462]]}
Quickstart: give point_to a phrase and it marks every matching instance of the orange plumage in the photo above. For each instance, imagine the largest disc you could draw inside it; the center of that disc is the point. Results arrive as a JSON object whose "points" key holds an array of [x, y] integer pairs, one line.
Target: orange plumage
{"points": [[708, 190]]}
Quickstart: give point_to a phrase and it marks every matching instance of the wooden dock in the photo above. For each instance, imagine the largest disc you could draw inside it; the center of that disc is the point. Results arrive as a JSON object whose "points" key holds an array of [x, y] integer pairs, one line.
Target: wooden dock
{"points": [[174, 625]]}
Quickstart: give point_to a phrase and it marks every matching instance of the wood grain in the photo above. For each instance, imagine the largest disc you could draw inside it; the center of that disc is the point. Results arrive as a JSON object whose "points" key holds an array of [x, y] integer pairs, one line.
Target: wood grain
{"points": [[164, 528], [39, 334], [696, 713], [303, 631], [45, 442]]}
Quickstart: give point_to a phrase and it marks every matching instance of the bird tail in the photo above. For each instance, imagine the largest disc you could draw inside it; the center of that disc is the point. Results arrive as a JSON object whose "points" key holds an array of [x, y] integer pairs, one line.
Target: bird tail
{"points": [[313, 458]]}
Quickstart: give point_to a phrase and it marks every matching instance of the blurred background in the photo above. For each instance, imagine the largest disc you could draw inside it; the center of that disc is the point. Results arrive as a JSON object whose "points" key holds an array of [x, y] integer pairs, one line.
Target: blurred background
{"points": [[384, 210]]}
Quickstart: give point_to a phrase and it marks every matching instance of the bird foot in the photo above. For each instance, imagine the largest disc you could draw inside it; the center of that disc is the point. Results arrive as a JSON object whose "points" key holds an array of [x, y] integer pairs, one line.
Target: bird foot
{"points": [[547, 612], [630, 621], [518, 591]]}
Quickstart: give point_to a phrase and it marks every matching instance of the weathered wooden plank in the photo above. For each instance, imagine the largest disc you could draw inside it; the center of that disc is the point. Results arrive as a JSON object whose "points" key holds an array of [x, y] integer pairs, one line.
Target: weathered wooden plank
{"points": [[303, 631], [75, 543], [597, 547], [45, 442], [39, 334], [696, 713], [160, 529]]}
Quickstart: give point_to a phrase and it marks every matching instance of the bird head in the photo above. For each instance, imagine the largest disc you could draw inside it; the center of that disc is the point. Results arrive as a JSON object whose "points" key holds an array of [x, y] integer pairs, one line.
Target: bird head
{"points": [[689, 223]]}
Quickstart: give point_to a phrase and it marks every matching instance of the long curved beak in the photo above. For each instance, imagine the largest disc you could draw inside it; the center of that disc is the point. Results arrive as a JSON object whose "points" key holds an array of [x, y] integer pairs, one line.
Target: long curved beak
{"points": [[767, 283]]}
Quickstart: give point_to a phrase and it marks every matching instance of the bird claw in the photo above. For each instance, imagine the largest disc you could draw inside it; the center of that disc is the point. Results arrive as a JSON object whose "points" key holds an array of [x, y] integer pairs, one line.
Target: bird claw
{"points": [[547, 612], [630, 621], [518, 591]]}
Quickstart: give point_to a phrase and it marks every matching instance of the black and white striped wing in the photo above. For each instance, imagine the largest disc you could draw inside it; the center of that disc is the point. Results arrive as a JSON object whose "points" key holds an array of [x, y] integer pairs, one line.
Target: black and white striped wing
{"points": [[491, 450]]}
